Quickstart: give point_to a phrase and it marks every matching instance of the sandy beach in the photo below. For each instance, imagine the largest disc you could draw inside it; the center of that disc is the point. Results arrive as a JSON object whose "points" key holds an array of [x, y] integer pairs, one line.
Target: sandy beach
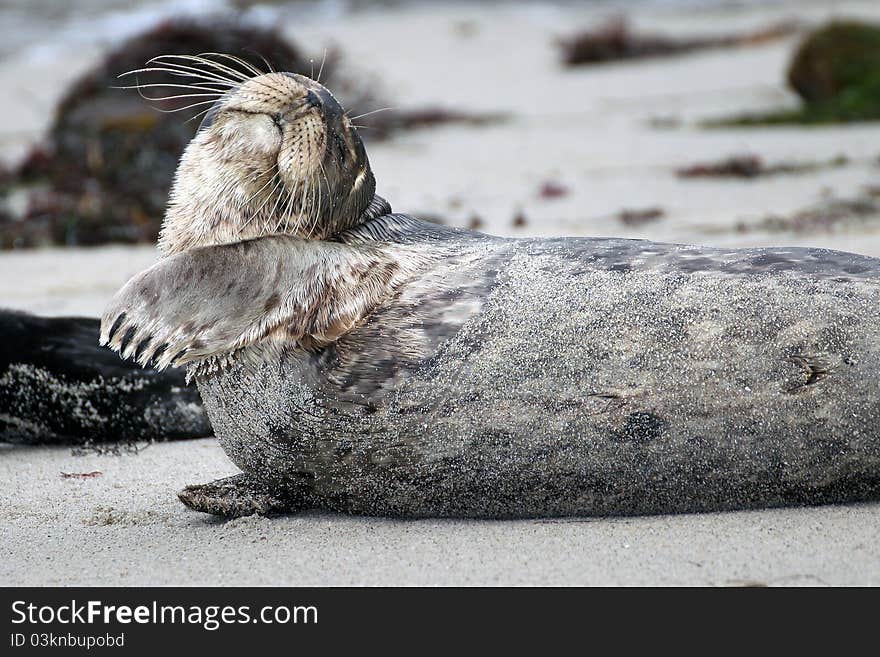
{"points": [[613, 137], [126, 528]]}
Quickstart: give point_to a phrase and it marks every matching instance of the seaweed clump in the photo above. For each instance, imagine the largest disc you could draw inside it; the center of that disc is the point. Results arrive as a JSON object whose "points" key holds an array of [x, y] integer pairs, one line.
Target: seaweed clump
{"points": [[383, 126], [862, 211], [753, 166], [836, 73], [615, 40]]}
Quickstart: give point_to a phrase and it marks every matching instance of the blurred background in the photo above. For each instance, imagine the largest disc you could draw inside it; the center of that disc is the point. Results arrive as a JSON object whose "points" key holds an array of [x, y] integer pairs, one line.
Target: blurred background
{"points": [[725, 122]]}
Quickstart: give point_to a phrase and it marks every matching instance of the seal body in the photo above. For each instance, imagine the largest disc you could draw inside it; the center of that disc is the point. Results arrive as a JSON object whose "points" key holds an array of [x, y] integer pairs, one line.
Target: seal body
{"points": [[358, 360], [545, 377]]}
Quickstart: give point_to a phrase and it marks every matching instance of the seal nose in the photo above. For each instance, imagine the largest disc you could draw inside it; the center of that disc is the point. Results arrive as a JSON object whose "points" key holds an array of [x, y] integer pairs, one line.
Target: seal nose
{"points": [[312, 100], [323, 101]]}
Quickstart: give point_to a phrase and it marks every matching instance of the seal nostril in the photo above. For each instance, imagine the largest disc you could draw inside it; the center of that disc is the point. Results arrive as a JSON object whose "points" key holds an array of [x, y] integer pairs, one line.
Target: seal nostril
{"points": [[313, 100]]}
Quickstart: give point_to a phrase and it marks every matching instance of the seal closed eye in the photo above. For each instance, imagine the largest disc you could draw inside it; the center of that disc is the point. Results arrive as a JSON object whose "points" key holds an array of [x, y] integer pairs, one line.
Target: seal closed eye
{"points": [[363, 361]]}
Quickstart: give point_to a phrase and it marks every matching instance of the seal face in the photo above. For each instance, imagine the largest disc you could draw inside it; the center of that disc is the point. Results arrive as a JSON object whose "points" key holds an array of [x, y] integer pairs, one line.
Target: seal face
{"points": [[372, 363], [276, 154]]}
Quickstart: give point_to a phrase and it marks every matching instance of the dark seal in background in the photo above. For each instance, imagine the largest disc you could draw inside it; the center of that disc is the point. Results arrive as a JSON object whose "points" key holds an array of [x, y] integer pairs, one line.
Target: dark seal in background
{"points": [[58, 386]]}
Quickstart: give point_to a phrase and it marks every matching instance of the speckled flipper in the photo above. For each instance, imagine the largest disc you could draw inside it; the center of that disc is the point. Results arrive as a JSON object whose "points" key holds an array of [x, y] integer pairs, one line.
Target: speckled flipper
{"points": [[204, 305], [237, 496]]}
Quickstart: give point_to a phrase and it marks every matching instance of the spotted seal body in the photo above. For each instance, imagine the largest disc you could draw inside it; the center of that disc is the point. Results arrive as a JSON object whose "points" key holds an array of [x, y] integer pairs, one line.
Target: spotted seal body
{"points": [[358, 360]]}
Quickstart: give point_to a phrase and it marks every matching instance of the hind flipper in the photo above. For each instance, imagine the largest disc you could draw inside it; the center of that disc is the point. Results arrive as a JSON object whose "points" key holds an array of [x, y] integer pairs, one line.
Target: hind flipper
{"points": [[237, 496]]}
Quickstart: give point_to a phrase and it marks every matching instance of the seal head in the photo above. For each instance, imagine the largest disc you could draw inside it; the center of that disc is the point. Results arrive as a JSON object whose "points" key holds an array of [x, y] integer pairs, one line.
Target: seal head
{"points": [[276, 155]]}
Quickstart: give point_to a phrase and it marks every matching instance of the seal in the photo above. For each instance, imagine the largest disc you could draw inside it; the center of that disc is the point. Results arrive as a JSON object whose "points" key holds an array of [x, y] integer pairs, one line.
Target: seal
{"points": [[358, 360], [58, 386]]}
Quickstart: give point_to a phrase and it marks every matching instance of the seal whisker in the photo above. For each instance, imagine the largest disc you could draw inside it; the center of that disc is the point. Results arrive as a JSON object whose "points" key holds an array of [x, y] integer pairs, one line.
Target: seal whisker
{"points": [[184, 70], [203, 65], [296, 206], [376, 111], [321, 197], [219, 92], [205, 84], [241, 77], [183, 109], [309, 204], [239, 60], [289, 207], [314, 205], [188, 73], [198, 114], [178, 96], [256, 212], [285, 210], [302, 204], [266, 184], [305, 209], [177, 70], [327, 181], [280, 197], [265, 61], [284, 213], [321, 70]]}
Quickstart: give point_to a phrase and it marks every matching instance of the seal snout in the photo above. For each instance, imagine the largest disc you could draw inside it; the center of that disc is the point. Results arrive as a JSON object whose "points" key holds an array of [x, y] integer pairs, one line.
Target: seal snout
{"points": [[323, 101], [312, 100]]}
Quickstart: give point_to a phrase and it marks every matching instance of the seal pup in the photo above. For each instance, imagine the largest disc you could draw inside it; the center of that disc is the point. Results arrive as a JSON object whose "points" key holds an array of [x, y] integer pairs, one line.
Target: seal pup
{"points": [[358, 360]]}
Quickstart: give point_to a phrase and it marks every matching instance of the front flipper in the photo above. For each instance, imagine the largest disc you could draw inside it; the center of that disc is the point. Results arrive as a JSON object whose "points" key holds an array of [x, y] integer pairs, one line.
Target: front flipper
{"points": [[234, 497], [202, 305]]}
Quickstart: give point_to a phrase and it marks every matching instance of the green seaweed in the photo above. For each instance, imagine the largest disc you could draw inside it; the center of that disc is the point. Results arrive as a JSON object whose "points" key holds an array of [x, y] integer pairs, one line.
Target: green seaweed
{"points": [[836, 72]]}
